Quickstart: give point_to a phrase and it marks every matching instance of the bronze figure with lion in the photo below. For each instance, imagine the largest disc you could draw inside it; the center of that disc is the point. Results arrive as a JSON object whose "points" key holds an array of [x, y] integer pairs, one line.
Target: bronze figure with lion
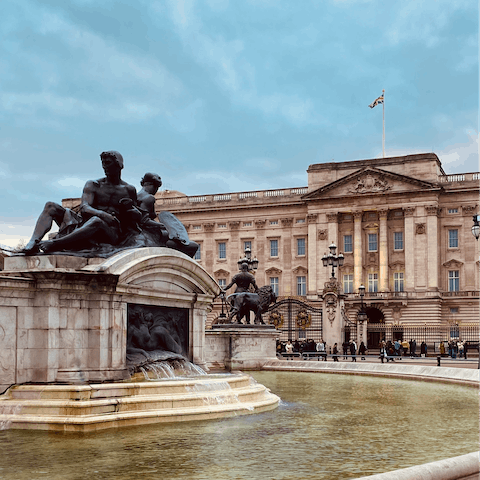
{"points": [[245, 302]]}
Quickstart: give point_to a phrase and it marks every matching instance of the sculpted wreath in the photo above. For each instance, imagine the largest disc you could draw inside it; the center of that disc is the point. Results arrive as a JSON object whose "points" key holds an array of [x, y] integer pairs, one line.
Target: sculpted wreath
{"points": [[276, 319], [303, 320]]}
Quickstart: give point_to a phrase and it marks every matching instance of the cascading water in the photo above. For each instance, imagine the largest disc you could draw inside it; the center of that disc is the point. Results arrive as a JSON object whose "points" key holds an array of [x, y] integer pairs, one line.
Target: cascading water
{"points": [[174, 369]]}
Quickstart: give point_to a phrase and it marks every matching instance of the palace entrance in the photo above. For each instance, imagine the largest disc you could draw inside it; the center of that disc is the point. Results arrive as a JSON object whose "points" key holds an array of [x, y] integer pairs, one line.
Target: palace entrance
{"points": [[376, 327]]}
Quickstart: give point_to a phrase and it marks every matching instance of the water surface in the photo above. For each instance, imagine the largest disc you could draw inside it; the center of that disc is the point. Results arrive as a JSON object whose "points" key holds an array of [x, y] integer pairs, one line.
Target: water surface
{"points": [[327, 427]]}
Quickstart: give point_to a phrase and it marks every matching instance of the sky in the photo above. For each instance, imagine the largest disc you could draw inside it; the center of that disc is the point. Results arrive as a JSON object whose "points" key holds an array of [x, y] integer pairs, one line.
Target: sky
{"points": [[226, 95]]}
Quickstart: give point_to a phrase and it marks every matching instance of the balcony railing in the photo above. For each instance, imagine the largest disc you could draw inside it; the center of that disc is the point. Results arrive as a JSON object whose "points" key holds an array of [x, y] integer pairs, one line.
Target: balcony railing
{"points": [[459, 177], [393, 295], [242, 197]]}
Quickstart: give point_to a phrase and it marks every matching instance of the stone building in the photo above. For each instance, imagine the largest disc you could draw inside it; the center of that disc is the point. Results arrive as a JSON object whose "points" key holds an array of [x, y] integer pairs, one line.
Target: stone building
{"points": [[402, 224]]}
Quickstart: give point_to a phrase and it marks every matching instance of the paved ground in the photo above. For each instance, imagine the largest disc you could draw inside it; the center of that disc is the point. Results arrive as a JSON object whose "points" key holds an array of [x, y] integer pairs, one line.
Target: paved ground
{"points": [[471, 362]]}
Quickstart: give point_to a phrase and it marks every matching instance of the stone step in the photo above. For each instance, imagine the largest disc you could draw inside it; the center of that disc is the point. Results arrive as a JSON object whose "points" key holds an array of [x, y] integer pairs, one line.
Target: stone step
{"points": [[84, 408], [134, 403]]}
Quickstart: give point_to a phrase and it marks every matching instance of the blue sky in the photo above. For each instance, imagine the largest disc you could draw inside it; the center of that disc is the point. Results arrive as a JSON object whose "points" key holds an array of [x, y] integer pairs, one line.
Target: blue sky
{"points": [[219, 96]]}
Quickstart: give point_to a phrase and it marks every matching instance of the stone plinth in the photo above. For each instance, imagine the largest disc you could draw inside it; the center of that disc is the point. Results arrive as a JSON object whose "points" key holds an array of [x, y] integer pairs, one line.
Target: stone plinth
{"points": [[64, 319], [235, 347]]}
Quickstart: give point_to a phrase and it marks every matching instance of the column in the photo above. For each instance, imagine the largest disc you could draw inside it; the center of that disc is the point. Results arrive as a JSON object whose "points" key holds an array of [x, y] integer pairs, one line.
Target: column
{"points": [[432, 246], [357, 251], [332, 219], [383, 251], [312, 254], [409, 248]]}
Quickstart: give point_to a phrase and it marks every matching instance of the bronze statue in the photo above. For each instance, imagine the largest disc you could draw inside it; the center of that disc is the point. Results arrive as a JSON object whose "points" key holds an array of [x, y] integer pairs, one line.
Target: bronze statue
{"points": [[110, 218], [107, 212], [243, 280], [245, 302]]}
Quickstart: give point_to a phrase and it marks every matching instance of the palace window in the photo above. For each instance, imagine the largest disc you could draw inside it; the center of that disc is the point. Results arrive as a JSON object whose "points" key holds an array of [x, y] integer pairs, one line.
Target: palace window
{"points": [[398, 240], [347, 243], [372, 242], [300, 246], [453, 238], [274, 248], [273, 222], [222, 250], [348, 283], [453, 281], [222, 282], [301, 286], [198, 253], [247, 244], [274, 284], [222, 225], [373, 282], [453, 210], [247, 224], [398, 282]]}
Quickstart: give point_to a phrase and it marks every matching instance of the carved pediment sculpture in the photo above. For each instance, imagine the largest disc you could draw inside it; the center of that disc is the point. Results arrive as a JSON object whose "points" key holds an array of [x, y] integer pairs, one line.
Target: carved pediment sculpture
{"points": [[370, 183]]}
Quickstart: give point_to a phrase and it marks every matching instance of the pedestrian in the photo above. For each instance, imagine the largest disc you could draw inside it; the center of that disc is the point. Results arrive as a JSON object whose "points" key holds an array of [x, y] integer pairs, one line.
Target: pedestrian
{"points": [[361, 350], [289, 347], [335, 353], [405, 346], [423, 349], [321, 349], [413, 347], [397, 346], [442, 349], [345, 346], [353, 350], [460, 347], [383, 351]]}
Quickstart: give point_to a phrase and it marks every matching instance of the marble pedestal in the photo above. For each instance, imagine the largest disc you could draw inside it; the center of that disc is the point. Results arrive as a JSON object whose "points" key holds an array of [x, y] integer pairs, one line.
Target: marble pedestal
{"points": [[64, 319], [240, 347]]}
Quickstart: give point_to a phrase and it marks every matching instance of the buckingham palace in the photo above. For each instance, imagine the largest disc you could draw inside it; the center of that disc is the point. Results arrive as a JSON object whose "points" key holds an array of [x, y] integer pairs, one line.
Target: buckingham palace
{"points": [[402, 225]]}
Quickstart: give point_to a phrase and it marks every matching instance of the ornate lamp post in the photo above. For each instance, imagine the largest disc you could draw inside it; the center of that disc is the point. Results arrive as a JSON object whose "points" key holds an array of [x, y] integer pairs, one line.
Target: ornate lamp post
{"points": [[361, 316], [251, 262], [332, 259], [476, 226]]}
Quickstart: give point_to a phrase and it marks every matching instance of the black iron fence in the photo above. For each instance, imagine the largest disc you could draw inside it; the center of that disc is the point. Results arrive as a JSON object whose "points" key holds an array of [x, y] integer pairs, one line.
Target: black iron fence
{"points": [[432, 335], [296, 320]]}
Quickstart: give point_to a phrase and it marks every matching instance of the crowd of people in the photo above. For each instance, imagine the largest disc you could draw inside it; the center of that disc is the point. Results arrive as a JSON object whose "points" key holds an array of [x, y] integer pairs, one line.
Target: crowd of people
{"points": [[388, 349]]}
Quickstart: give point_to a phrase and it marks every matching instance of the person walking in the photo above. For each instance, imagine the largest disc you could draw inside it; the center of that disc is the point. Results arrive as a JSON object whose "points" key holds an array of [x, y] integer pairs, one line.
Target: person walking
{"points": [[345, 346], [353, 350], [335, 353], [361, 350]]}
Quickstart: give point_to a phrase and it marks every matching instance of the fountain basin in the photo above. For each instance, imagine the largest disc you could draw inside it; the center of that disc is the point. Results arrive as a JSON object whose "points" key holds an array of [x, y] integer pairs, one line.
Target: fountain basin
{"points": [[87, 408]]}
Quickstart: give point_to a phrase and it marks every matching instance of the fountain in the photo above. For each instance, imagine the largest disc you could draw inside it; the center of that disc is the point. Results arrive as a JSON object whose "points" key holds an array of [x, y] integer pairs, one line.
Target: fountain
{"points": [[112, 293]]}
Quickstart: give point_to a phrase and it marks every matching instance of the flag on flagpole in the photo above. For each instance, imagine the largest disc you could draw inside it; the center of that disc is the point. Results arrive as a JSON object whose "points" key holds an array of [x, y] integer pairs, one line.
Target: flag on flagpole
{"points": [[377, 101]]}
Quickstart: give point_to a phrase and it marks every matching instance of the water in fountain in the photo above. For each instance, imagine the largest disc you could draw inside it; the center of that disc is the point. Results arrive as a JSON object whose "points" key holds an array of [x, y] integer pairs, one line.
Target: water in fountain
{"points": [[170, 370]]}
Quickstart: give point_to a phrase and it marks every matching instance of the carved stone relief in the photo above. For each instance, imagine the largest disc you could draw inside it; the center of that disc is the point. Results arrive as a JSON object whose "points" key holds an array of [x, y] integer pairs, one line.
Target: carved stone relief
{"points": [[370, 184], [322, 234], [420, 228]]}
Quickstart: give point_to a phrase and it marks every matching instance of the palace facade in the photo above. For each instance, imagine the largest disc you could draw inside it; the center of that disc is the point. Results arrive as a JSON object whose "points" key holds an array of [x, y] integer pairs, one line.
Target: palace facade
{"points": [[402, 224]]}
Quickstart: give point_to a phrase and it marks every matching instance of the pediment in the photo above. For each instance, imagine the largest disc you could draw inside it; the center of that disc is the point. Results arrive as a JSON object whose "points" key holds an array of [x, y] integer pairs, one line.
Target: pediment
{"points": [[273, 271], [221, 273], [300, 270], [371, 181], [453, 264]]}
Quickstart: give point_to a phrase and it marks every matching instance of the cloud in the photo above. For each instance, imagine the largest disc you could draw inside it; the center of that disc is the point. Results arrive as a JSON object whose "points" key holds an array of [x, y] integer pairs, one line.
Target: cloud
{"points": [[423, 22], [462, 156], [84, 74], [71, 182], [227, 61]]}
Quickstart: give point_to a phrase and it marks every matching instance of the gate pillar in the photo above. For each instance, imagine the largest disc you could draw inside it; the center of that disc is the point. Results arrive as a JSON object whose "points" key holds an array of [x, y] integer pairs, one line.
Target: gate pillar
{"points": [[332, 313]]}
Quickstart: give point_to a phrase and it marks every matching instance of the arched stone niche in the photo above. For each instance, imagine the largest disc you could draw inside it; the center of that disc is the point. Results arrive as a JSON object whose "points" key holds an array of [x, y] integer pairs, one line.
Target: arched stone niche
{"points": [[164, 277]]}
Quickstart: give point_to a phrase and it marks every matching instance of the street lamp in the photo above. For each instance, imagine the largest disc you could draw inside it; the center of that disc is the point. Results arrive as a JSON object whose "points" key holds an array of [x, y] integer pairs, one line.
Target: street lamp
{"points": [[362, 316], [333, 259], [251, 262], [476, 226]]}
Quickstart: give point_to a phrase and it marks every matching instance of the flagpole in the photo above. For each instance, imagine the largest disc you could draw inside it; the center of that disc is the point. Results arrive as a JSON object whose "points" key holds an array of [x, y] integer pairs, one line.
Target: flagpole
{"points": [[383, 137]]}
